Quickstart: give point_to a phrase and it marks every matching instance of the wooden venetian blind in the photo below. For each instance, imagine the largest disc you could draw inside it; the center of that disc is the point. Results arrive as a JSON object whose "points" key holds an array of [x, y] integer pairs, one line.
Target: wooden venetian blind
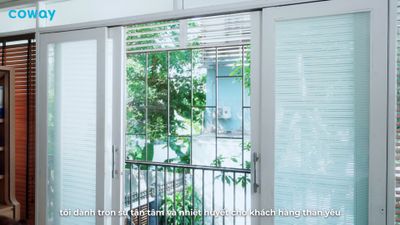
{"points": [[20, 53]]}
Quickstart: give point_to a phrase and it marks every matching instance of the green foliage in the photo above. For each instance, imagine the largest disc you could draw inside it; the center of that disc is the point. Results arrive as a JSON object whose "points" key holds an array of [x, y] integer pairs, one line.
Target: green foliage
{"points": [[164, 100], [179, 145], [182, 203], [246, 70], [218, 161], [141, 154], [229, 179], [180, 100]]}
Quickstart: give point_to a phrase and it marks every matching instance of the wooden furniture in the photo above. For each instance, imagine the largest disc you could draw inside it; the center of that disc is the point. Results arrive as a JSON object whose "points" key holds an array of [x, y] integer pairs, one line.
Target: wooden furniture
{"points": [[8, 204]]}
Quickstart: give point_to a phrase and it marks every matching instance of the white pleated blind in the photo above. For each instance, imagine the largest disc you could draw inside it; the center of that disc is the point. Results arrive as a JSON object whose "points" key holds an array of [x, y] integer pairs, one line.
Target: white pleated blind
{"points": [[72, 130], [211, 31], [322, 118], [159, 35], [219, 30]]}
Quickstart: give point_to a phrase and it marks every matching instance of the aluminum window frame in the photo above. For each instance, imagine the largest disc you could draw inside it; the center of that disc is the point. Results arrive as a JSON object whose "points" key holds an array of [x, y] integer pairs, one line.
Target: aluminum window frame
{"points": [[243, 107]]}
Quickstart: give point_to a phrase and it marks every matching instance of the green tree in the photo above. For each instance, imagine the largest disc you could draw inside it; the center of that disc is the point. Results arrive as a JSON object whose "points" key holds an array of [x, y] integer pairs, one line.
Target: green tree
{"points": [[187, 202], [155, 94]]}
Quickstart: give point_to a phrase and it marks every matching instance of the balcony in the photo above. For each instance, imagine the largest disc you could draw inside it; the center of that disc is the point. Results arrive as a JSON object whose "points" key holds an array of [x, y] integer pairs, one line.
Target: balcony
{"points": [[165, 193]]}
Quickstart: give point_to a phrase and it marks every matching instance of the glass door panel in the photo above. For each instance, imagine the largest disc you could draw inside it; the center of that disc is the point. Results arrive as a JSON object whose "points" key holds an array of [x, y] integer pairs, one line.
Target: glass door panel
{"points": [[322, 118], [324, 101], [73, 88]]}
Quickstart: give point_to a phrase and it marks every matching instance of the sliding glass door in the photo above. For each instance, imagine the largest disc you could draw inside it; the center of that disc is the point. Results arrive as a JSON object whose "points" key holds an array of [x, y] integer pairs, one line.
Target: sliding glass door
{"points": [[324, 99], [74, 128]]}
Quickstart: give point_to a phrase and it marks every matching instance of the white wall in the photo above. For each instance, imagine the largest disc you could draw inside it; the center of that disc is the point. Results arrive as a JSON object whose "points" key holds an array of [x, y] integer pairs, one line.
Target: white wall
{"points": [[9, 25], [188, 4], [79, 11]]}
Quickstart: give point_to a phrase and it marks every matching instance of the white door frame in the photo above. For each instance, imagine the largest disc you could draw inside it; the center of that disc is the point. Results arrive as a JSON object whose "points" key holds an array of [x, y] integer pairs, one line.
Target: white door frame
{"points": [[392, 111], [118, 70], [378, 96], [103, 120]]}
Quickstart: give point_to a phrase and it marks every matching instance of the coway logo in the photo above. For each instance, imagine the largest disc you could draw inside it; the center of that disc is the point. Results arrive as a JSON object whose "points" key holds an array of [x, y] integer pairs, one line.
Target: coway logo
{"points": [[31, 14]]}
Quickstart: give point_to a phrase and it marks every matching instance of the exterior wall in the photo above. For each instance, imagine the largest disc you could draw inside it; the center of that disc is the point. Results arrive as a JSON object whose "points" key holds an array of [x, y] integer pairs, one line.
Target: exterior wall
{"points": [[232, 86]]}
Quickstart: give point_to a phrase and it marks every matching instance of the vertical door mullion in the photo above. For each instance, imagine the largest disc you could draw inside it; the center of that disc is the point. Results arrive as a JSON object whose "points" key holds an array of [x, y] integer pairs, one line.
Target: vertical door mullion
{"points": [[117, 62]]}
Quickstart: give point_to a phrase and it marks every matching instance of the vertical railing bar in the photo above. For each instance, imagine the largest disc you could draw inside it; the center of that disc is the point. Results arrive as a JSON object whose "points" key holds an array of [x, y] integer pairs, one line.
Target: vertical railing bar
{"points": [[168, 107], [234, 196], [193, 187], [146, 103], [216, 130], [156, 191], [191, 107], [147, 191], [223, 196], [139, 195], [202, 198], [243, 90], [245, 197], [183, 192], [174, 190], [165, 196], [130, 193], [216, 104], [213, 195]]}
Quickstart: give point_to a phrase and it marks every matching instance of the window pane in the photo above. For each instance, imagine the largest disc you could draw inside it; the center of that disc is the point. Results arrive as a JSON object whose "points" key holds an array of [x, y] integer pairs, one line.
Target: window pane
{"points": [[247, 139], [180, 106], [247, 77], [136, 119], [179, 150], [157, 148], [229, 107], [204, 143], [157, 122], [180, 63], [229, 152], [322, 117], [136, 66], [157, 80], [204, 77], [230, 61], [135, 147]]}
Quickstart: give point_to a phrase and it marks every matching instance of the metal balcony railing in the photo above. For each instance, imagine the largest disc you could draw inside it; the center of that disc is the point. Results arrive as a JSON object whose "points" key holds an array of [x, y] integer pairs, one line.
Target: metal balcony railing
{"points": [[165, 193]]}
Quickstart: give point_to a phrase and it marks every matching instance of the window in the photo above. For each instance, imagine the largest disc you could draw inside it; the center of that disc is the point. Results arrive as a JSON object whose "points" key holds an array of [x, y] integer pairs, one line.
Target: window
{"points": [[188, 116]]}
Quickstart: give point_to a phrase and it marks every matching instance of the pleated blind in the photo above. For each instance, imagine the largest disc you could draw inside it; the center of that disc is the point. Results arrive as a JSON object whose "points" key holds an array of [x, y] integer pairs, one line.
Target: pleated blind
{"points": [[19, 52], [233, 29], [322, 118], [219, 30], [157, 35], [72, 129]]}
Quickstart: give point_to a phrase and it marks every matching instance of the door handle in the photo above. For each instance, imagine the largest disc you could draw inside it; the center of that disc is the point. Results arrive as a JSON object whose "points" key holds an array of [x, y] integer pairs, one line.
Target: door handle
{"points": [[113, 161], [255, 159]]}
